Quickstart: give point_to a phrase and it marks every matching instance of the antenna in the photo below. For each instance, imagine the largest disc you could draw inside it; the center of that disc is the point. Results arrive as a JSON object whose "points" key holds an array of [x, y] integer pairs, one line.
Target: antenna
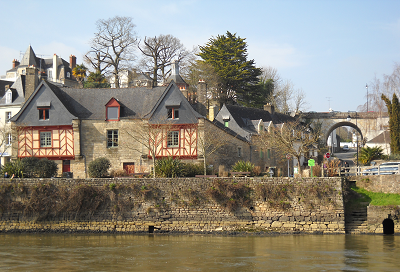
{"points": [[329, 101]]}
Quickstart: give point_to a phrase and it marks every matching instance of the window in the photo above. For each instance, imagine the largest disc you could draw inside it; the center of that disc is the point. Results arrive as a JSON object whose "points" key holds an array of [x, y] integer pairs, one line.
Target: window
{"points": [[49, 74], [9, 139], [261, 154], [112, 138], [112, 113], [173, 139], [226, 123], [8, 97], [173, 114], [68, 74], [8, 116], [44, 114], [45, 139], [239, 151], [268, 153]]}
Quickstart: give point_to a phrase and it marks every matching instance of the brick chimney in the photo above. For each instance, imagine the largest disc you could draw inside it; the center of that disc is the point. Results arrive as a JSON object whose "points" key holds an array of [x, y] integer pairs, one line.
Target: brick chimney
{"points": [[72, 61], [270, 108], [15, 63]]}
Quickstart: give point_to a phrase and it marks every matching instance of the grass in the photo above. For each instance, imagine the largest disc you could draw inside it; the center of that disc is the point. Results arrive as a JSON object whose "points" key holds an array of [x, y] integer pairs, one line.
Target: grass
{"points": [[377, 199]]}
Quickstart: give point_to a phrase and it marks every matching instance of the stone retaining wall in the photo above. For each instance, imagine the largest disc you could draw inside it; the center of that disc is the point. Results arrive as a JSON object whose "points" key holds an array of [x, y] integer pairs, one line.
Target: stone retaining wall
{"points": [[185, 204], [376, 215]]}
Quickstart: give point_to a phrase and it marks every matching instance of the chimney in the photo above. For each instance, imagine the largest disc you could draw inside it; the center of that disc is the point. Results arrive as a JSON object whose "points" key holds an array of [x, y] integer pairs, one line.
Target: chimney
{"points": [[31, 81], [201, 97], [175, 68], [270, 108], [55, 66], [212, 112], [15, 63], [72, 61]]}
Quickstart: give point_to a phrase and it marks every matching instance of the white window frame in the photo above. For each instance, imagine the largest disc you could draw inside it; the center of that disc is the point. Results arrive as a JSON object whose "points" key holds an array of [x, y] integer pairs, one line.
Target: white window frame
{"points": [[9, 139], [173, 138], [45, 139], [112, 141]]}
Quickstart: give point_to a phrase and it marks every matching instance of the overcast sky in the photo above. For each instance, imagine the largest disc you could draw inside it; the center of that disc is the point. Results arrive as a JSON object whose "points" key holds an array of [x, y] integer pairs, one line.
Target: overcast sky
{"points": [[329, 49]]}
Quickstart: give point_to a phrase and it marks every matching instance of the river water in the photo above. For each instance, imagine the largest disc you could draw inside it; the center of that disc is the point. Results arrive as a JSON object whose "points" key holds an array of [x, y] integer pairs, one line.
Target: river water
{"points": [[107, 252]]}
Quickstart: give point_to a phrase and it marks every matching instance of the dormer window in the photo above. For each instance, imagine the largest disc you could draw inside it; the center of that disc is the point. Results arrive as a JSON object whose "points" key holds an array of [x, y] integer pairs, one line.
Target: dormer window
{"points": [[8, 97], [173, 113], [226, 120], [113, 110], [44, 110], [68, 74]]}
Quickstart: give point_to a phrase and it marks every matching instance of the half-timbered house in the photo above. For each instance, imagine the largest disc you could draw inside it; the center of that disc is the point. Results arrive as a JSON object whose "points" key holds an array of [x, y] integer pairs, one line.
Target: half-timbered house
{"points": [[76, 126]]}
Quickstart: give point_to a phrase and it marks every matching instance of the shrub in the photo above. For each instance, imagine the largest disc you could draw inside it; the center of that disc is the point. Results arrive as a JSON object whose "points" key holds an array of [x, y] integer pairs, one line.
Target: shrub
{"points": [[193, 169], [45, 168], [242, 166], [119, 173], [13, 167], [98, 168], [169, 167], [29, 166], [368, 154]]}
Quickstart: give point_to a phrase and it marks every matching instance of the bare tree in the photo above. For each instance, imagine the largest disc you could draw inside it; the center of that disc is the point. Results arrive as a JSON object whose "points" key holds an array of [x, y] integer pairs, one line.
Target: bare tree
{"points": [[293, 138], [299, 101], [97, 61], [141, 136], [159, 53], [387, 86], [210, 140], [114, 44]]}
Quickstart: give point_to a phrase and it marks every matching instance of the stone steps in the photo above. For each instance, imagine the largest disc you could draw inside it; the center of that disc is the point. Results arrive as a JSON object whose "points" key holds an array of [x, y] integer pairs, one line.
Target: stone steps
{"points": [[357, 221]]}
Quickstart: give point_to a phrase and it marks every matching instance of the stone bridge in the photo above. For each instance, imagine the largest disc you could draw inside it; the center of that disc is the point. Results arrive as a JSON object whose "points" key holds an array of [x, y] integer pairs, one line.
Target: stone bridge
{"points": [[368, 124]]}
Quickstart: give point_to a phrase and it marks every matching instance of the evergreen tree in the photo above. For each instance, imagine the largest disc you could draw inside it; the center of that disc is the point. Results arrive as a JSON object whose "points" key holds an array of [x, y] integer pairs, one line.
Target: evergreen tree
{"points": [[394, 122], [239, 77]]}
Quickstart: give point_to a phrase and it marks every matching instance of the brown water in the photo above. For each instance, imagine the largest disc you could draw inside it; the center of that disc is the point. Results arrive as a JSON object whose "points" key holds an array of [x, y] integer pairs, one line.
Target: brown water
{"points": [[100, 252]]}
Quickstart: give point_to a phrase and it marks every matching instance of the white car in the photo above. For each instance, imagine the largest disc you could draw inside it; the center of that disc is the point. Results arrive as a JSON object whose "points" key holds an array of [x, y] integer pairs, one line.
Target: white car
{"points": [[345, 148], [387, 170]]}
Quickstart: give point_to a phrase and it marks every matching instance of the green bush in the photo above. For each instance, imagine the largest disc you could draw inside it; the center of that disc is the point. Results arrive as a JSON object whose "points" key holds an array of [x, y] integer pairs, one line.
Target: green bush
{"points": [[193, 169], [368, 154], [169, 167], [45, 168], [243, 166], [29, 164], [15, 168], [98, 168]]}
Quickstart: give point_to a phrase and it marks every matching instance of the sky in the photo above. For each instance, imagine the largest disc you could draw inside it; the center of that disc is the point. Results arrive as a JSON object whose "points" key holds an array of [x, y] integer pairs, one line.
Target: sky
{"points": [[328, 49]]}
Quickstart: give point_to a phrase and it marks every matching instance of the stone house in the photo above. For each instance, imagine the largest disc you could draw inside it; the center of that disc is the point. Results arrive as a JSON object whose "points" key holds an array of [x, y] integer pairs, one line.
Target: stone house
{"points": [[54, 69], [247, 123], [75, 126]]}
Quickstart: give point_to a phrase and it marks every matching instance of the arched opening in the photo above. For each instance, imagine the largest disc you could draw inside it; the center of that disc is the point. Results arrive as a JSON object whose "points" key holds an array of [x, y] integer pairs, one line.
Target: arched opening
{"points": [[343, 124], [388, 226]]}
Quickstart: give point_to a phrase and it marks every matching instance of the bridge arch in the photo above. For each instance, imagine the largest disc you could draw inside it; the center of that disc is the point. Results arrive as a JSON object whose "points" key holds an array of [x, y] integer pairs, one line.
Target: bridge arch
{"points": [[343, 124]]}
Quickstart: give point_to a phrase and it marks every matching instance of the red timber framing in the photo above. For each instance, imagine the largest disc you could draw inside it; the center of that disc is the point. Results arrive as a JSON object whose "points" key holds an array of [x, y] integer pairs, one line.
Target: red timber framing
{"points": [[187, 143], [61, 146]]}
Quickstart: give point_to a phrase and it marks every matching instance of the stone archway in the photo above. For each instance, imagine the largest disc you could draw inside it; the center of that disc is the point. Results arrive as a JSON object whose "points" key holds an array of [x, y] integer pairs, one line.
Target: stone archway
{"points": [[388, 226], [343, 124]]}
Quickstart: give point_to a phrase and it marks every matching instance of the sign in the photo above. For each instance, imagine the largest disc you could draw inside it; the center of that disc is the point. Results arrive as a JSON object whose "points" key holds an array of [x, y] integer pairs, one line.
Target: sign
{"points": [[327, 155], [288, 156], [311, 162]]}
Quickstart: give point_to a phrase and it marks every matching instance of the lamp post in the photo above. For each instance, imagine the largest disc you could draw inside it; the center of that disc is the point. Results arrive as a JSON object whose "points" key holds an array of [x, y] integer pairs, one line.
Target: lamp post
{"points": [[366, 86], [349, 119]]}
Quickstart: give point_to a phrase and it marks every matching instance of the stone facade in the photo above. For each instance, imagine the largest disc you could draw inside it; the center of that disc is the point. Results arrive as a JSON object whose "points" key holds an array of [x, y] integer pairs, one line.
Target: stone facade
{"points": [[180, 205]]}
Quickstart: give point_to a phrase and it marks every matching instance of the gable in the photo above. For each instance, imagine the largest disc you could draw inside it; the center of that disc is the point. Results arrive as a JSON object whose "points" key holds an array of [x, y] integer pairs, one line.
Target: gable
{"points": [[44, 98], [174, 99]]}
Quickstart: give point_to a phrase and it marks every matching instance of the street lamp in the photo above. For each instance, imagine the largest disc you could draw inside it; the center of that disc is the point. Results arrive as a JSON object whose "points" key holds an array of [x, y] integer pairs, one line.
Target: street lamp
{"points": [[349, 119], [366, 86]]}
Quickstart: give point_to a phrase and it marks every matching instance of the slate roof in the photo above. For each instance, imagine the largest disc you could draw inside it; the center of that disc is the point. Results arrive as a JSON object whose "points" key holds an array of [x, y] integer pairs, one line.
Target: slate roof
{"points": [[3, 84], [17, 88], [138, 102], [244, 116]]}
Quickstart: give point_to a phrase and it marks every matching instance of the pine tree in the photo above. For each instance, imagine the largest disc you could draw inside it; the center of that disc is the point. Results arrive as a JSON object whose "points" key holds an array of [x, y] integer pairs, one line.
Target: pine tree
{"points": [[239, 76], [394, 125]]}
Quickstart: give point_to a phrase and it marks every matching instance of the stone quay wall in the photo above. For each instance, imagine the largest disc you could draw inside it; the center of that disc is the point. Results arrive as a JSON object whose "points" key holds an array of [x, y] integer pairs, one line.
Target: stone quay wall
{"points": [[377, 214], [287, 205], [379, 183]]}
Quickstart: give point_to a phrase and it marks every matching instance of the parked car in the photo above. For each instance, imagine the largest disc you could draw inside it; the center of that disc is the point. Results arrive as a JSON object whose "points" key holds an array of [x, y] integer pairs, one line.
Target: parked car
{"points": [[387, 170], [345, 148]]}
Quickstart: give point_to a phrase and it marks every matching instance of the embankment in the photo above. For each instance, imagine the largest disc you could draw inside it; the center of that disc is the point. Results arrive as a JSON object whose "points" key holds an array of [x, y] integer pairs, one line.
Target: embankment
{"points": [[305, 205]]}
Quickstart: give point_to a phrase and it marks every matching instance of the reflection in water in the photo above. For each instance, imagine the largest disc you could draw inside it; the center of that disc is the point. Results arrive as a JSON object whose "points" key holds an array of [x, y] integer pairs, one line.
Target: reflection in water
{"points": [[100, 252]]}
